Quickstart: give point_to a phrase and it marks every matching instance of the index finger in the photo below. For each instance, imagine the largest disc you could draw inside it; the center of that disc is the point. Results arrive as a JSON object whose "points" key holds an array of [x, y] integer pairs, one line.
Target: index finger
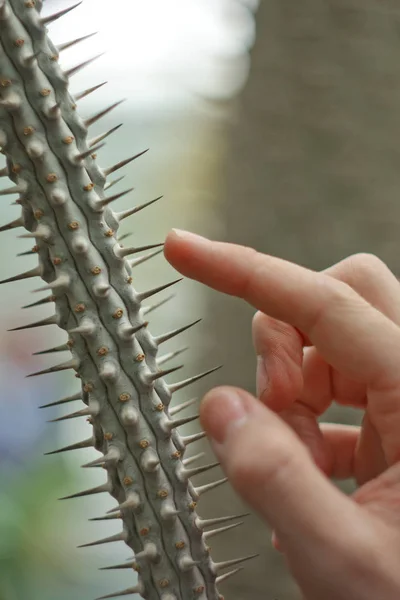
{"points": [[350, 333]]}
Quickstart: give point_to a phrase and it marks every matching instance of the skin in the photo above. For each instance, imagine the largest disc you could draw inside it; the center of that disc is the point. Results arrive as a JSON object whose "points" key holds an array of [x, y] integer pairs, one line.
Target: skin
{"points": [[319, 337]]}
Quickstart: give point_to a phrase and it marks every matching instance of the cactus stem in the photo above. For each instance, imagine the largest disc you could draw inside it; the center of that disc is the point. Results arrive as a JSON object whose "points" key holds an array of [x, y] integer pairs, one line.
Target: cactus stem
{"points": [[77, 396], [177, 409], [235, 561], [131, 211], [53, 320], [70, 364], [96, 490], [88, 91], [103, 136], [71, 43], [181, 384], [122, 163], [89, 443], [118, 537], [144, 295], [171, 334], [51, 18]]}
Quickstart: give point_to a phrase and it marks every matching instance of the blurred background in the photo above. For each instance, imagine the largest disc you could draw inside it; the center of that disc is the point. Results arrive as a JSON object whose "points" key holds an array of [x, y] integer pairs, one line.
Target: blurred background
{"points": [[274, 124]]}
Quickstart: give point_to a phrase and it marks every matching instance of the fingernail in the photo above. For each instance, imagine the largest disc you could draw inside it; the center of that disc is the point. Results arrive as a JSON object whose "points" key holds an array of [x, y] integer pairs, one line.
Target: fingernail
{"points": [[261, 376], [188, 235], [222, 411]]}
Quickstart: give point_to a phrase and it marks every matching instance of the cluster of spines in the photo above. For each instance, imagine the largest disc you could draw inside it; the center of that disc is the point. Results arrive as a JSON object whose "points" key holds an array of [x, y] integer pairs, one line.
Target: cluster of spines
{"points": [[61, 192]]}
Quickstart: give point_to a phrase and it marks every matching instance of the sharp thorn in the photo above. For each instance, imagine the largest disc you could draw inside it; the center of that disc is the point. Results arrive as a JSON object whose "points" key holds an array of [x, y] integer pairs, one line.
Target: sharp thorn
{"points": [[125, 565], [102, 113], [191, 459], [86, 328], [89, 443], [138, 589], [36, 272], [121, 164], [154, 376], [228, 575], [138, 261], [88, 91], [60, 283], [122, 252], [71, 43], [190, 439], [82, 65], [42, 232], [96, 490], [61, 348], [213, 532], [107, 517], [181, 384], [70, 364], [132, 502], [124, 236], [166, 357], [201, 523], [189, 473], [40, 302], [230, 563], [103, 136], [16, 189], [171, 334], [113, 182], [51, 18], [53, 320], [147, 309], [83, 155], [33, 250], [177, 409], [119, 537], [13, 224], [107, 201], [144, 295], [179, 422], [202, 489], [77, 396], [85, 412], [112, 456], [131, 211]]}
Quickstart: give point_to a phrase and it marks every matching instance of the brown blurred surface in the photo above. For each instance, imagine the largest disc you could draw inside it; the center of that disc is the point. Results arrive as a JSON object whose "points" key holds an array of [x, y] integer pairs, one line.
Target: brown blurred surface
{"points": [[312, 176]]}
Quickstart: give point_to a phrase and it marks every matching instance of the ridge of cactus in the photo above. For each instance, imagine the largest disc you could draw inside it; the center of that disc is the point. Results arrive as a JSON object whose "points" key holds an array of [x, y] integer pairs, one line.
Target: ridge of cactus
{"points": [[65, 209]]}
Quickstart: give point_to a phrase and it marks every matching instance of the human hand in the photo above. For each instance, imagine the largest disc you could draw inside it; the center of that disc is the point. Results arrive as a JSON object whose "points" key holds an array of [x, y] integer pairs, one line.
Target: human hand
{"points": [[318, 337]]}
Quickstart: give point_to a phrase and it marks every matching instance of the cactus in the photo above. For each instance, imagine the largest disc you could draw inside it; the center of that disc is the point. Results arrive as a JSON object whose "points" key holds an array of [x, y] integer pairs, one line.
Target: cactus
{"points": [[87, 273]]}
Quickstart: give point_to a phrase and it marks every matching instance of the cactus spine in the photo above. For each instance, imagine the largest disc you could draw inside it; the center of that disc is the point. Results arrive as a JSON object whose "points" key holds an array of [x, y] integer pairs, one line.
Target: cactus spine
{"points": [[87, 272]]}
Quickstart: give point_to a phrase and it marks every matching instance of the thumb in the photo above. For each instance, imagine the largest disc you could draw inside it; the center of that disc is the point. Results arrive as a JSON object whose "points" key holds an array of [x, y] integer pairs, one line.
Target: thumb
{"points": [[272, 470]]}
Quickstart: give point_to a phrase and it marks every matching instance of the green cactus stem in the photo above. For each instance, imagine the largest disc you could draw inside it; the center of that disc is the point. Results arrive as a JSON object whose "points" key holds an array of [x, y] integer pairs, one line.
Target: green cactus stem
{"points": [[88, 275]]}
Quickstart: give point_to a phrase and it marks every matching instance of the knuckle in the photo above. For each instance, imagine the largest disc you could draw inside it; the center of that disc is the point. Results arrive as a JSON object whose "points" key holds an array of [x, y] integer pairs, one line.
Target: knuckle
{"points": [[365, 264]]}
